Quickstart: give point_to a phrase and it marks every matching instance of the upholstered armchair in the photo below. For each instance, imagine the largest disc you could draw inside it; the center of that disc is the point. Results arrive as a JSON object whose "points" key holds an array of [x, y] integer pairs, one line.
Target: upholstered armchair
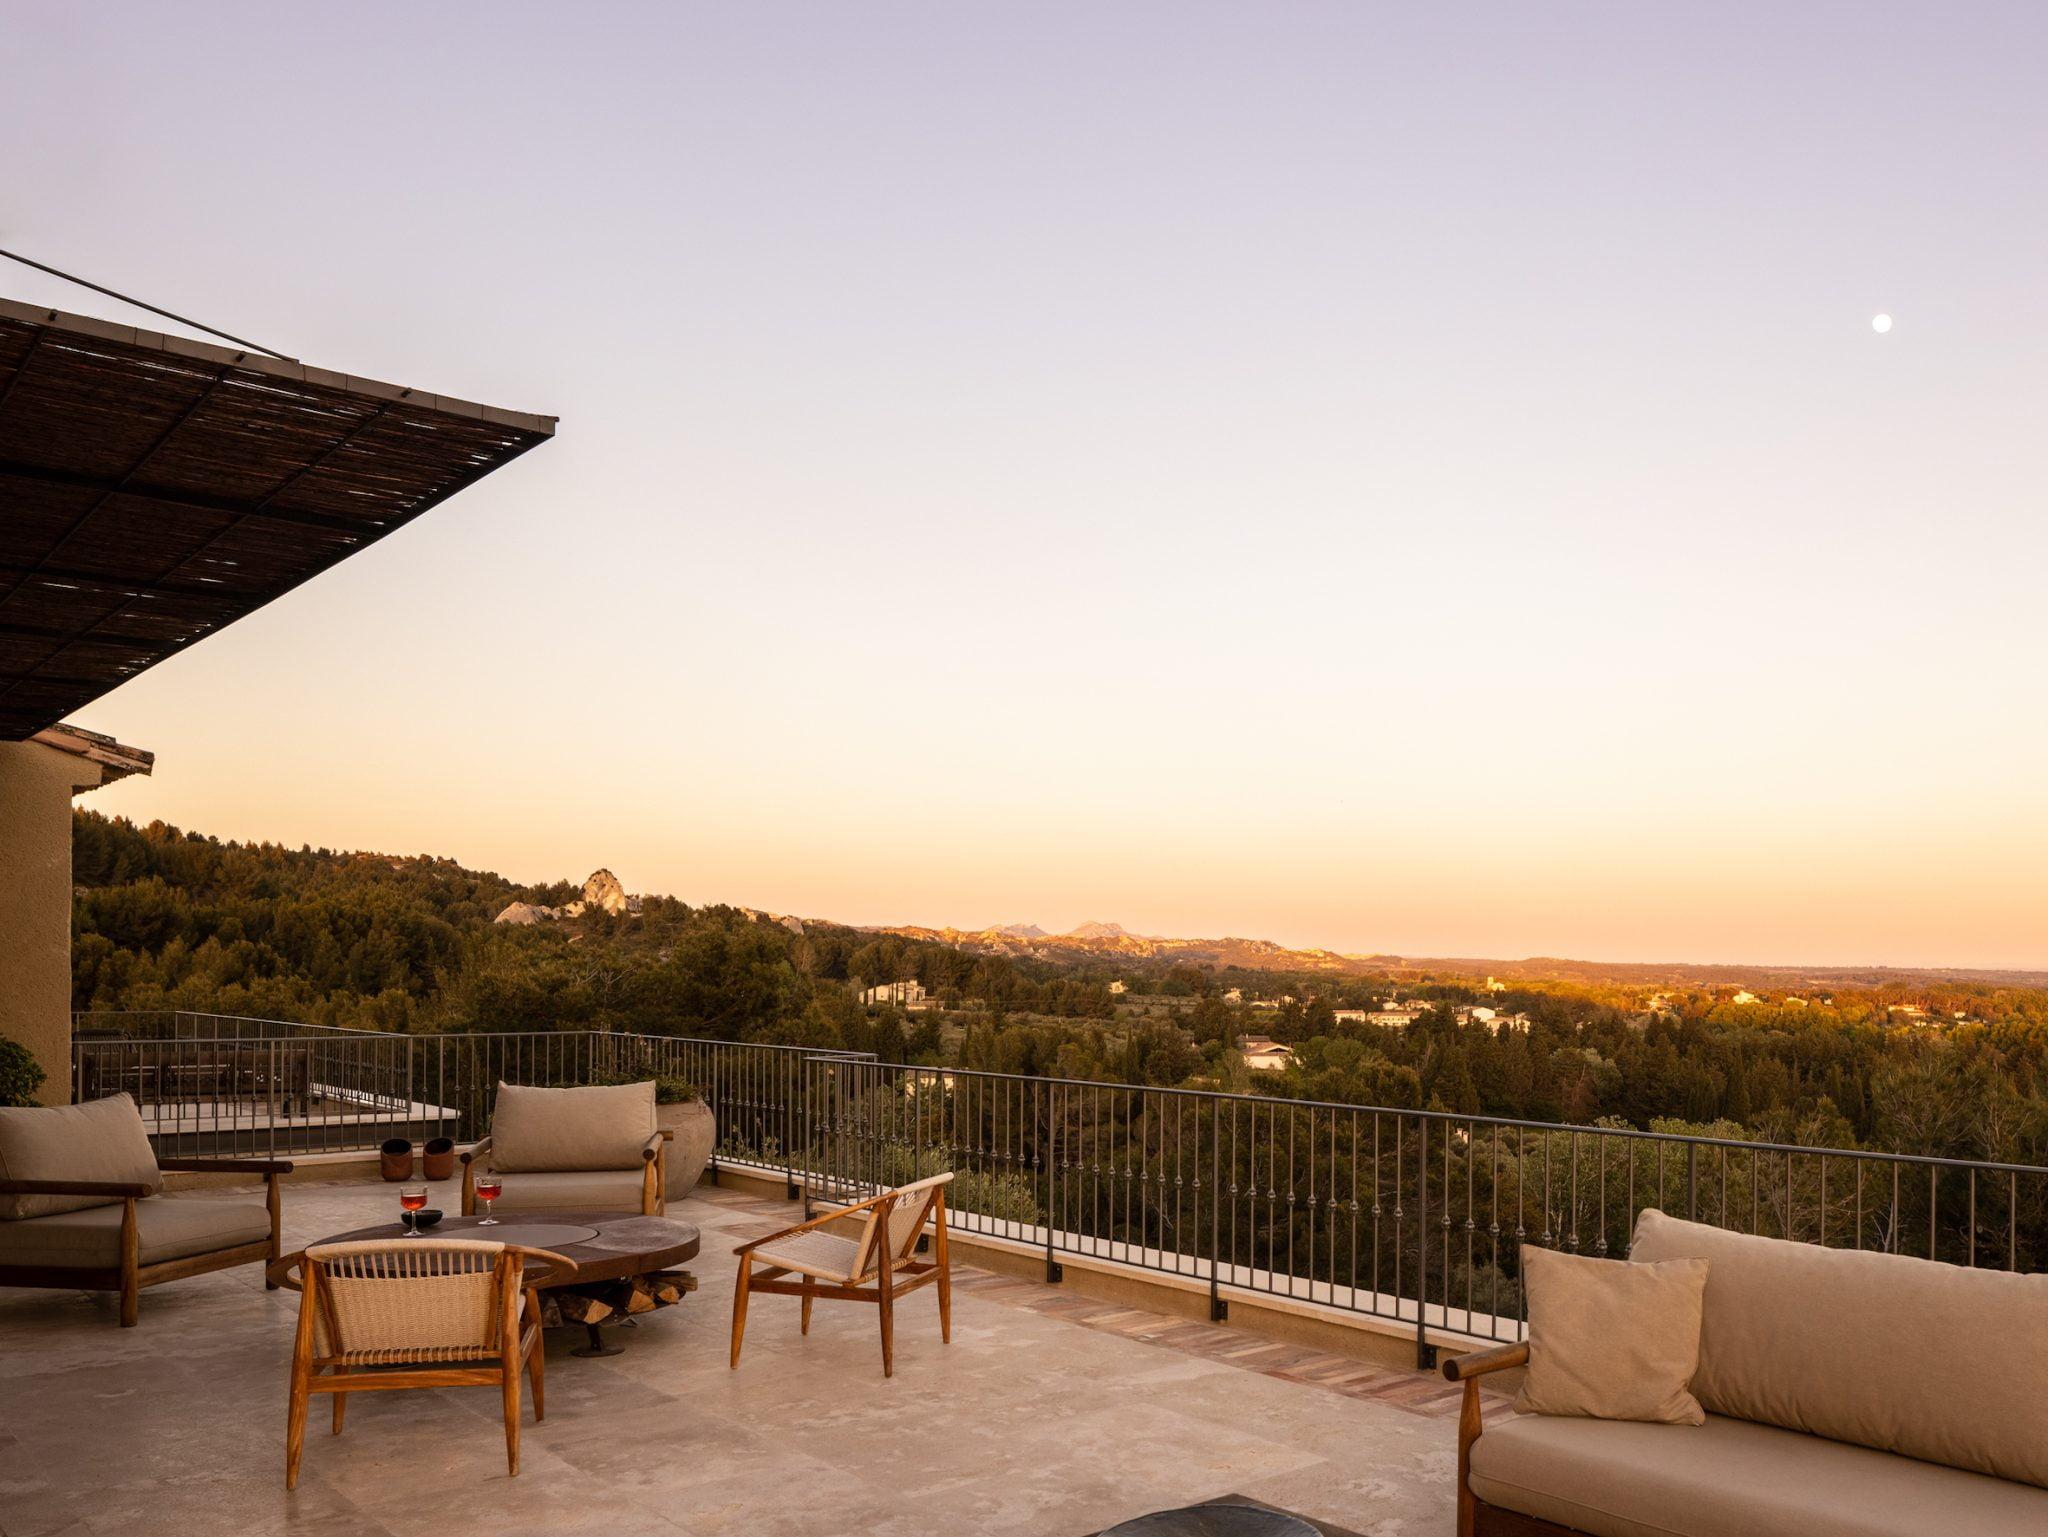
{"points": [[586, 1149], [81, 1209]]}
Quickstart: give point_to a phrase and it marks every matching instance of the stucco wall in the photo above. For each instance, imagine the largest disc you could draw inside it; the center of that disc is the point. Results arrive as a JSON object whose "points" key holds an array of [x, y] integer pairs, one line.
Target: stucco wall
{"points": [[36, 786]]}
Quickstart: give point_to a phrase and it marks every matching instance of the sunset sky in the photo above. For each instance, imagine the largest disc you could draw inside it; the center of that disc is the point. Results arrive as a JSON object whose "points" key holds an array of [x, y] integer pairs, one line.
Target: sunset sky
{"points": [[1396, 478]]}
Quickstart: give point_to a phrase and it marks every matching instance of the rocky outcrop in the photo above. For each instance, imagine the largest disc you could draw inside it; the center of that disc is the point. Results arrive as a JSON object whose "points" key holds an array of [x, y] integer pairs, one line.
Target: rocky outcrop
{"points": [[527, 912], [601, 893], [604, 892]]}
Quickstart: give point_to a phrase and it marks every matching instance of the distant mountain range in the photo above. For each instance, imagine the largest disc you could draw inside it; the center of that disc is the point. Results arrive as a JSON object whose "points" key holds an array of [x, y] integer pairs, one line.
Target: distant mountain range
{"points": [[1096, 940], [1105, 941]]}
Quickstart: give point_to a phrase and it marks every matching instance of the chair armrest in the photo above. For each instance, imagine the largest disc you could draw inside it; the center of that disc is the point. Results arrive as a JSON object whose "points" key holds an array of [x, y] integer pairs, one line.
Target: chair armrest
{"points": [[818, 1221], [279, 1271], [561, 1269], [1500, 1358], [225, 1165], [653, 1146], [74, 1187], [475, 1150]]}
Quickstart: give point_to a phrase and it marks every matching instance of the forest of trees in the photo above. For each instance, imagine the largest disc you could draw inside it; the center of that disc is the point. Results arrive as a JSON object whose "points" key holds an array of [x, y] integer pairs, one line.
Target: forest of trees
{"points": [[172, 920]]}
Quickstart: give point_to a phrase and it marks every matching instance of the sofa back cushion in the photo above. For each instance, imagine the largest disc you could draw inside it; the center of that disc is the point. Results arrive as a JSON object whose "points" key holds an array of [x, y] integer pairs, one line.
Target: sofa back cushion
{"points": [[100, 1140], [552, 1130], [1907, 1355]]}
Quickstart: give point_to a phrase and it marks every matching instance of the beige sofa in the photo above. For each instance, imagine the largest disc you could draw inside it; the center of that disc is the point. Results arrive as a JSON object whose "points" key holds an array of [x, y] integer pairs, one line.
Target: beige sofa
{"points": [[1847, 1394], [80, 1208], [590, 1149]]}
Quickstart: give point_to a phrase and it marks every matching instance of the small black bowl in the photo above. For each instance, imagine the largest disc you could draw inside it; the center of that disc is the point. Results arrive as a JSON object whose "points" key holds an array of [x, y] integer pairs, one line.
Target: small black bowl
{"points": [[425, 1217]]}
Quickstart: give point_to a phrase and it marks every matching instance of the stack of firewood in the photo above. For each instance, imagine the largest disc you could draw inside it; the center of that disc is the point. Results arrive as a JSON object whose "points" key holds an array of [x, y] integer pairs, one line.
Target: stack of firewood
{"points": [[607, 1301]]}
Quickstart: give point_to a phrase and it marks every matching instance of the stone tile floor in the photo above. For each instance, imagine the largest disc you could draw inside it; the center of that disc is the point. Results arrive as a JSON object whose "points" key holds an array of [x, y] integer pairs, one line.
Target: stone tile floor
{"points": [[1050, 1415]]}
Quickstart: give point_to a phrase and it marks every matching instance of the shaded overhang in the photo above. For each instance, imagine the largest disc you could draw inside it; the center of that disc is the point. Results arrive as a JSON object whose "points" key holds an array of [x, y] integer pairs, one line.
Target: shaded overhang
{"points": [[154, 490]]}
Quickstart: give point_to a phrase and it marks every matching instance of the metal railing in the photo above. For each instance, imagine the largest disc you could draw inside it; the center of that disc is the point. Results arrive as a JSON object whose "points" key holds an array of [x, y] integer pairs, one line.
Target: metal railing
{"points": [[210, 1083], [1416, 1217], [1411, 1217]]}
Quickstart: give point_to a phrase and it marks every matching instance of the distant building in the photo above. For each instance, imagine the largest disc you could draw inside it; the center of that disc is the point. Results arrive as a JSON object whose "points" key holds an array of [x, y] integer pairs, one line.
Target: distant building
{"points": [[1235, 995], [1354, 1016], [1495, 987], [1745, 996], [1262, 1055], [1117, 987], [905, 995], [1396, 1014]]}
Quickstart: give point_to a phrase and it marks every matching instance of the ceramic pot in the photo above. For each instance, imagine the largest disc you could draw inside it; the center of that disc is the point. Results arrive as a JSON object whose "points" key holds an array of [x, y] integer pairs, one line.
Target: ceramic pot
{"points": [[395, 1160], [696, 1132], [438, 1158]]}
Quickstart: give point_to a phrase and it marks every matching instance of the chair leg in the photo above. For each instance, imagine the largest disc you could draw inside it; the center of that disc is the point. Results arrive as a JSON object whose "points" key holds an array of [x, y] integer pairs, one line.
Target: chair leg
{"points": [[511, 1380], [536, 1369], [945, 1284], [131, 1264], [275, 1202], [888, 1312], [340, 1400], [295, 1428], [739, 1306], [810, 1296]]}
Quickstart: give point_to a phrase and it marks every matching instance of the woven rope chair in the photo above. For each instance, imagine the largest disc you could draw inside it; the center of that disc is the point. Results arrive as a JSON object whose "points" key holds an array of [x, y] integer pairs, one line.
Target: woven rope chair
{"points": [[415, 1313], [878, 1264]]}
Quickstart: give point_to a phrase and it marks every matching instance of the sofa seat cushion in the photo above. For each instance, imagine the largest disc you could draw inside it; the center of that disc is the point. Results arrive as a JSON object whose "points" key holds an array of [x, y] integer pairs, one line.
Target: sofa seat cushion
{"points": [[102, 1141], [165, 1229], [551, 1130], [573, 1190], [1732, 1478]]}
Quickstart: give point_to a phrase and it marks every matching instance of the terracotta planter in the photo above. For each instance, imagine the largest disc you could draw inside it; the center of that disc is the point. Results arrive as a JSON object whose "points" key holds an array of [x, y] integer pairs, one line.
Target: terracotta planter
{"points": [[438, 1158], [696, 1132], [395, 1160]]}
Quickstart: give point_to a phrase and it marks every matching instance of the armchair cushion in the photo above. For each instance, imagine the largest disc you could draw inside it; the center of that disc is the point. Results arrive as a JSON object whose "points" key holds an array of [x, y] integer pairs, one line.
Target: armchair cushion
{"points": [[100, 1140], [165, 1228], [1907, 1355], [1612, 1339], [573, 1190], [1729, 1478], [555, 1130]]}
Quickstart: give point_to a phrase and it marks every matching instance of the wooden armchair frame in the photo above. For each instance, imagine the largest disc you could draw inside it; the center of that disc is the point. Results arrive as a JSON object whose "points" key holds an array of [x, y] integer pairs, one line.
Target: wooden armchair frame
{"points": [[518, 1347], [653, 1173], [891, 1271], [130, 1275], [1476, 1518]]}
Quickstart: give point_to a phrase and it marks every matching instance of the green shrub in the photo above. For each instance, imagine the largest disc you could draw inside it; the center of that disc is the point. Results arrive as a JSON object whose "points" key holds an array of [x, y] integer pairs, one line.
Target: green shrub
{"points": [[20, 1074], [669, 1088]]}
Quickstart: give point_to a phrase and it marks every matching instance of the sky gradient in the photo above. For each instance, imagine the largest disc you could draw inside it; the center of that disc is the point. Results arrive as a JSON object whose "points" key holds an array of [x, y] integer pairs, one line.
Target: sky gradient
{"points": [[1392, 478]]}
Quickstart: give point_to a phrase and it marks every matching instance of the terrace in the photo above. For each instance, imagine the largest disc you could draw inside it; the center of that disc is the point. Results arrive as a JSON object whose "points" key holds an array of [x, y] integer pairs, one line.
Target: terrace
{"points": [[1163, 1298]]}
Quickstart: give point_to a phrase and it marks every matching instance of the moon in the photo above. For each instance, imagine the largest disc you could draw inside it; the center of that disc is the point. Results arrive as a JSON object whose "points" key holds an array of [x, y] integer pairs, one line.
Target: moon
{"points": [[1880, 323]]}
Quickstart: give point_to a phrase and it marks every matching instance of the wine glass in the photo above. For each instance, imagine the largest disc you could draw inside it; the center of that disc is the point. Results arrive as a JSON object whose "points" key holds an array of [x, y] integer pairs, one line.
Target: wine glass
{"points": [[412, 1198], [488, 1188]]}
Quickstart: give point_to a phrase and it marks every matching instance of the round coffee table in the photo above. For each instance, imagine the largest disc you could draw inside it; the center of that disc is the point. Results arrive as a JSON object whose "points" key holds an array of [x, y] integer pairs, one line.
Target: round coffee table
{"points": [[609, 1248]]}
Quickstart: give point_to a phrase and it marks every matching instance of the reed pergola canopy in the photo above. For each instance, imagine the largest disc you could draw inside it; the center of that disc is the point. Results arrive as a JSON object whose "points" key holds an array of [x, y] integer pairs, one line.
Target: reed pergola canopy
{"points": [[155, 489]]}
